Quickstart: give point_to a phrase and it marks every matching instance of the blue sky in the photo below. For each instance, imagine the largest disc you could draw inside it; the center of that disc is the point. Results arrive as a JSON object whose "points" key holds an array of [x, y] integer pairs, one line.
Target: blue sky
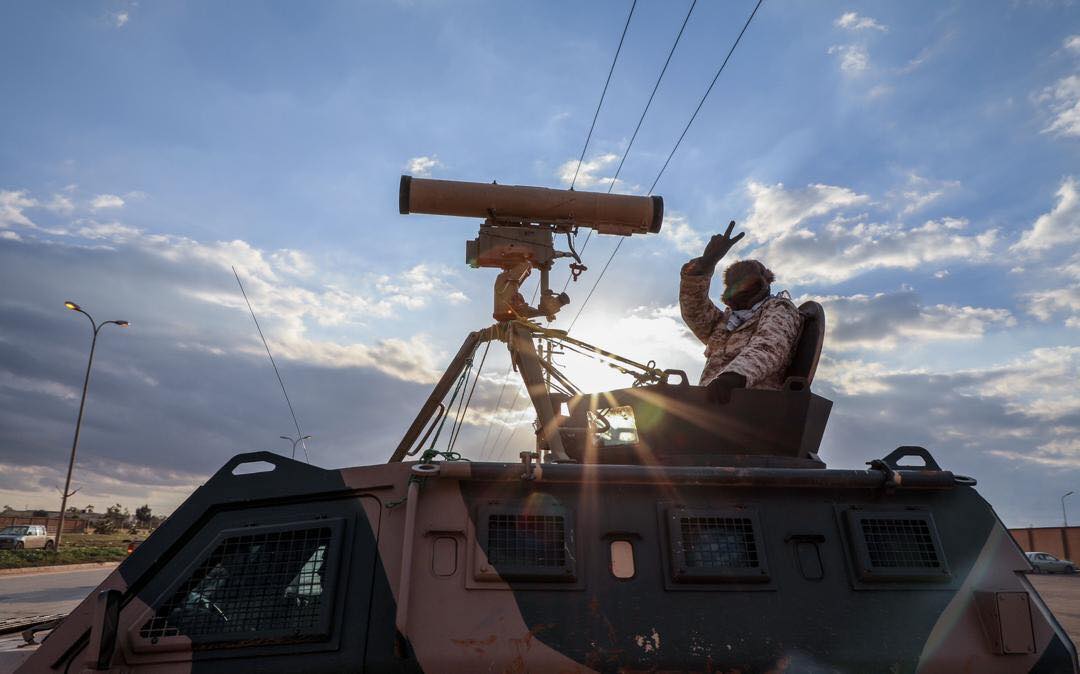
{"points": [[913, 166]]}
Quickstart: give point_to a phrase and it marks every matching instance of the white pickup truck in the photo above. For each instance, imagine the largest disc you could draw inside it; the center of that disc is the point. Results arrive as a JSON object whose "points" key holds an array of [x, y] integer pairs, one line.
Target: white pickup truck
{"points": [[20, 536]]}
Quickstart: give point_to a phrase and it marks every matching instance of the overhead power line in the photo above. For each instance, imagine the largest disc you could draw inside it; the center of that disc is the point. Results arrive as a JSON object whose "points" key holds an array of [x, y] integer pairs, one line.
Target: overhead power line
{"points": [[641, 119], [603, 93], [671, 154], [651, 96], [707, 92]]}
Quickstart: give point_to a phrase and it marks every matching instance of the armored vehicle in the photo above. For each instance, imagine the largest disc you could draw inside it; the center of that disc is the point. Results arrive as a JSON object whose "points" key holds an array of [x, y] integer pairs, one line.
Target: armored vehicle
{"points": [[651, 530]]}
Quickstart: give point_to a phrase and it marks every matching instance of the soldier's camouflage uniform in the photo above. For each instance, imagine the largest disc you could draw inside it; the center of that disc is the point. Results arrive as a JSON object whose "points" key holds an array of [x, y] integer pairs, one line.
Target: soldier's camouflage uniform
{"points": [[760, 349]]}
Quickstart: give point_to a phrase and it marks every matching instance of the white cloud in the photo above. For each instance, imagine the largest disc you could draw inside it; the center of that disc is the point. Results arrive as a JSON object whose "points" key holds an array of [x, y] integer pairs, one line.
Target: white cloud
{"points": [[60, 203], [421, 166], [852, 377], [920, 192], [778, 211], [287, 289], [1058, 453], [10, 235], [853, 21], [885, 321], [842, 250], [22, 384], [113, 231], [1045, 304], [120, 19], [854, 58], [1040, 384], [413, 359], [799, 251], [1059, 227], [683, 236], [1063, 101], [1072, 43], [106, 201], [417, 286], [12, 205], [587, 176], [1037, 385]]}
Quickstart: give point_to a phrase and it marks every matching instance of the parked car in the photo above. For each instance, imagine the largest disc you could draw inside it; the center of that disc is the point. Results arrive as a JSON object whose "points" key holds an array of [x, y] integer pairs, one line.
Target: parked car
{"points": [[26, 536], [1043, 562]]}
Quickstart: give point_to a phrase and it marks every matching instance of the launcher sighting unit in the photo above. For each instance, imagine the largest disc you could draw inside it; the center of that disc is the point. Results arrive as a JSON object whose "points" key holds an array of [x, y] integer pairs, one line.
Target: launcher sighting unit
{"points": [[650, 530]]}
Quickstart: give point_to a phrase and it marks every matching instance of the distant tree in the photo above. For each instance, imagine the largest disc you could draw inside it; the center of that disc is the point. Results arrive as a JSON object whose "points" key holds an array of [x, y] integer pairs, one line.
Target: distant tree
{"points": [[7, 508], [40, 513], [116, 518], [144, 516], [105, 526], [89, 509]]}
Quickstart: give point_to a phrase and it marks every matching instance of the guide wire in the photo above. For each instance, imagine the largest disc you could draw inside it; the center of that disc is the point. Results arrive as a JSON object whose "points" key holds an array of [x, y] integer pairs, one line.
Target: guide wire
{"points": [[476, 379]]}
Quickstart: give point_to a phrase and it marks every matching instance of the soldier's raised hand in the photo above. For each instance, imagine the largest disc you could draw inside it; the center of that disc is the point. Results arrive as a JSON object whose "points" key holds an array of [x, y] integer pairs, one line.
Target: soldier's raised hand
{"points": [[718, 247]]}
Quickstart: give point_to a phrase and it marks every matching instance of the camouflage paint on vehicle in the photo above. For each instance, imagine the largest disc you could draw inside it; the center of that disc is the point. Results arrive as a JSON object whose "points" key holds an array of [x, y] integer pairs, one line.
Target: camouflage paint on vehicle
{"points": [[803, 606]]}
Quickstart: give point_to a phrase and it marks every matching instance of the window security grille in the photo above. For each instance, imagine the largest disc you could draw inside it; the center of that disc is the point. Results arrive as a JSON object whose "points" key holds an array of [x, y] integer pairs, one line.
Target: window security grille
{"points": [[718, 542], [251, 586], [527, 540], [533, 546], [716, 546], [893, 543], [897, 546]]}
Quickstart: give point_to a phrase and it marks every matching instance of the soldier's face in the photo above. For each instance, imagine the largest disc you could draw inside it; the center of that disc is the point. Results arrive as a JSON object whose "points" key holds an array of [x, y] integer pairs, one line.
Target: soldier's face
{"points": [[742, 291]]}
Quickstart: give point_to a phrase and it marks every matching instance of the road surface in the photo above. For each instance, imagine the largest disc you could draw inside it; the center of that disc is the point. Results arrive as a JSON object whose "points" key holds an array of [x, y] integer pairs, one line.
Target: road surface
{"points": [[47, 593]]}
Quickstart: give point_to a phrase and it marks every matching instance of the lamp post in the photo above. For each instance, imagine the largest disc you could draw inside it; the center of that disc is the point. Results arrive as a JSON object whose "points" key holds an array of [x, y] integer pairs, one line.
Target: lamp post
{"points": [[294, 442], [1064, 515], [82, 404]]}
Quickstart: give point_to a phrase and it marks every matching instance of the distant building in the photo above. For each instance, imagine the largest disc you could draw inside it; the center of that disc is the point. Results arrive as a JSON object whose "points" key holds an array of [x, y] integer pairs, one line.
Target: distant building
{"points": [[1061, 542]]}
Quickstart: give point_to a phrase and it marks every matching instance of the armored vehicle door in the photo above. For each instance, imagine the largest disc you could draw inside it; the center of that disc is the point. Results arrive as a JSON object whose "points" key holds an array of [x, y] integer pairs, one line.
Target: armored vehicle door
{"points": [[272, 571]]}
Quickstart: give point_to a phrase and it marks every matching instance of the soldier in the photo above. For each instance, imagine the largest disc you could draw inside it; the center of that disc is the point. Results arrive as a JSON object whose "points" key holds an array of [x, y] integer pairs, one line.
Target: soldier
{"points": [[750, 343]]}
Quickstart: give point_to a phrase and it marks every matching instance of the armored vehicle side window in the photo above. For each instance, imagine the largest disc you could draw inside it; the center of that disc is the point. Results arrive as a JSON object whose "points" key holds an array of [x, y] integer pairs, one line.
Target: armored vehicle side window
{"points": [[266, 584], [716, 546], [536, 544], [896, 546]]}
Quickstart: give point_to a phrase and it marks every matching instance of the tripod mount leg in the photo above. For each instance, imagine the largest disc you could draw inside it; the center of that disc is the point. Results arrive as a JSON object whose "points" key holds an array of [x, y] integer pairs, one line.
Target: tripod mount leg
{"points": [[439, 392]]}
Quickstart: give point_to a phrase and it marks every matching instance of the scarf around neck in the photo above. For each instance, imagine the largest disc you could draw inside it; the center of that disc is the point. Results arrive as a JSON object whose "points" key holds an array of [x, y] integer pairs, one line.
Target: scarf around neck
{"points": [[740, 316]]}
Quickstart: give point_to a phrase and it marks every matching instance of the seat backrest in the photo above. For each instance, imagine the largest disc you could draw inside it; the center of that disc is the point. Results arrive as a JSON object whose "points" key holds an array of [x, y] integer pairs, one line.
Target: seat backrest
{"points": [[808, 349]]}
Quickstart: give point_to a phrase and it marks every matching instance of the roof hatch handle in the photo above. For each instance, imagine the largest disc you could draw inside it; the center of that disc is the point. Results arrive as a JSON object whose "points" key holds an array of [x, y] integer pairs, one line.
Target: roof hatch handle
{"points": [[244, 465], [893, 459]]}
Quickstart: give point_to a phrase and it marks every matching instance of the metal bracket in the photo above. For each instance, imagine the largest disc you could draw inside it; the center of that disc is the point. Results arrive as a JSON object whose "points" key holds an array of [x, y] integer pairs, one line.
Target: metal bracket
{"points": [[527, 459], [894, 457], [892, 478]]}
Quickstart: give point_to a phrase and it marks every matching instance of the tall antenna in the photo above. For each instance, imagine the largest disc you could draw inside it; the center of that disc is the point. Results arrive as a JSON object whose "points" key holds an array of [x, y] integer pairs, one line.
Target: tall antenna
{"points": [[299, 433]]}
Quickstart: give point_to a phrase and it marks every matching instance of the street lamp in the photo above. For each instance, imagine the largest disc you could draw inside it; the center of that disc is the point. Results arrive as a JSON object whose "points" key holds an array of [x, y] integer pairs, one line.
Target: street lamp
{"points": [[82, 404], [294, 442], [1064, 516]]}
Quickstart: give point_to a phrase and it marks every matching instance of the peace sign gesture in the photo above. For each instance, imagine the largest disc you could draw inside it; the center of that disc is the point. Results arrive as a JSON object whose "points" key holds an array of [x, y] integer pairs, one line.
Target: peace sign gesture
{"points": [[718, 247]]}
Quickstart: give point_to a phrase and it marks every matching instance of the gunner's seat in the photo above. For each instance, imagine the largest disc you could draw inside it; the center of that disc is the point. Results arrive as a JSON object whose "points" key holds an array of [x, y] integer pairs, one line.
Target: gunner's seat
{"points": [[808, 349]]}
